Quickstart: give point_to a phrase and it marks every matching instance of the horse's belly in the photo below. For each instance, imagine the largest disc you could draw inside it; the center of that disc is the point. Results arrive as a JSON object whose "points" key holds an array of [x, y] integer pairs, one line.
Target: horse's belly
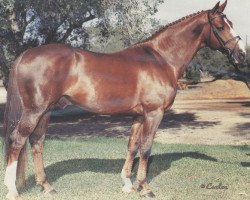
{"points": [[106, 103], [111, 106]]}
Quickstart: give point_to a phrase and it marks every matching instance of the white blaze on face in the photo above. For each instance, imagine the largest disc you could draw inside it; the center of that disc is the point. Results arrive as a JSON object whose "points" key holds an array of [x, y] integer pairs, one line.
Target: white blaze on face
{"points": [[240, 43], [10, 177]]}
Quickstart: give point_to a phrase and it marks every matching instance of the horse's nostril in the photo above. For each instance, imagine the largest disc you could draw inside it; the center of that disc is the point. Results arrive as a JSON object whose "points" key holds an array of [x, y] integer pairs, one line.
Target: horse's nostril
{"points": [[242, 55]]}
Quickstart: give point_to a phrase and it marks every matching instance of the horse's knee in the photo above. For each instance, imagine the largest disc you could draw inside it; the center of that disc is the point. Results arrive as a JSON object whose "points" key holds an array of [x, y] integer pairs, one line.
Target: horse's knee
{"points": [[36, 143], [17, 141], [28, 122], [27, 126], [133, 147], [37, 148], [132, 151]]}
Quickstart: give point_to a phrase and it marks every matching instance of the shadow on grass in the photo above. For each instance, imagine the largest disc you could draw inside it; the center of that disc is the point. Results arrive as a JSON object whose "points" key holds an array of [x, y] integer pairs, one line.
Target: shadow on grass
{"points": [[157, 164], [243, 148], [245, 164], [73, 121], [80, 123]]}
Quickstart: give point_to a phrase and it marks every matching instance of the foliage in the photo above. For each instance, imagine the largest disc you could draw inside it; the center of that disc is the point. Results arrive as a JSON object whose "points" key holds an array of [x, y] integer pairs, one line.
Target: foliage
{"points": [[97, 25], [130, 18], [214, 63], [102, 25], [246, 65], [27, 23]]}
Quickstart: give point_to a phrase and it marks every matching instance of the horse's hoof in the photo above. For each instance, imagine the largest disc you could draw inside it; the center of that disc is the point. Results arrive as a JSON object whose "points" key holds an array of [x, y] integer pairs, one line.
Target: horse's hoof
{"points": [[127, 189], [13, 196], [147, 194], [50, 192]]}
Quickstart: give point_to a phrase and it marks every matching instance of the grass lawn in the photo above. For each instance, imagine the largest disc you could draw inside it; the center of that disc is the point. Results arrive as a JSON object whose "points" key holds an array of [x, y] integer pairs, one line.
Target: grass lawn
{"points": [[90, 169]]}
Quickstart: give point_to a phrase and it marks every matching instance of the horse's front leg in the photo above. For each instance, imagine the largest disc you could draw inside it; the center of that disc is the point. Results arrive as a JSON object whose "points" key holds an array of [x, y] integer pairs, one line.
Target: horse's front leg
{"points": [[133, 145], [150, 125]]}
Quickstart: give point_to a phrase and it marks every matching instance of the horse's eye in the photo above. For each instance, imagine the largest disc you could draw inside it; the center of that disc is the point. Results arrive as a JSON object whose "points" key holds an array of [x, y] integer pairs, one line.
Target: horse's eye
{"points": [[220, 28]]}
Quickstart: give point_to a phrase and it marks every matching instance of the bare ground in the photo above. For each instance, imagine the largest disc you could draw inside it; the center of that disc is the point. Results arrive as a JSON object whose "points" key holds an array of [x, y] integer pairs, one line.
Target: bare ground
{"points": [[208, 122], [198, 116]]}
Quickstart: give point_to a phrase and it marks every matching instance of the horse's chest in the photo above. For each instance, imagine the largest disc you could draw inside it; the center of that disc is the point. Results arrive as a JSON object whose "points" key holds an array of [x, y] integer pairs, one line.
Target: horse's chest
{"points": [[159, 95]]}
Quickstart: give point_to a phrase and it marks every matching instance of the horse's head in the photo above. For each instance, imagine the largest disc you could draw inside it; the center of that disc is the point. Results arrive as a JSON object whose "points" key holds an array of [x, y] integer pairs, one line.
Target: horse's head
{"points": [[221, 35]]}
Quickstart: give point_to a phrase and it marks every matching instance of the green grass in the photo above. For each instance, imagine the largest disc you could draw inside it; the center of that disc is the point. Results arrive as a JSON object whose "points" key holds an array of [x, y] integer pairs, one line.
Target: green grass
{"points": [[90, 169]]}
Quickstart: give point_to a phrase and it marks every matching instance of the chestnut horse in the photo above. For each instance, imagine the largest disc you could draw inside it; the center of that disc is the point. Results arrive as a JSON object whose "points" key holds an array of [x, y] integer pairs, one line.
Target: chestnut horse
{"points": [[140, 80]]}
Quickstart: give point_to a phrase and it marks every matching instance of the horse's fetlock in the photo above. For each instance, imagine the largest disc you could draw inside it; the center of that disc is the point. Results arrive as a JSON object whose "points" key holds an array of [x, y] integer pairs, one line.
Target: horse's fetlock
{"points": [[141, 180], [40, 181]]}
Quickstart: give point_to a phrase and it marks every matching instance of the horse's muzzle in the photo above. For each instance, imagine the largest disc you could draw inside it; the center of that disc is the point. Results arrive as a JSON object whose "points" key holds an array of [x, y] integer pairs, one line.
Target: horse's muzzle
{"points": [[241, 56], [238, 57]]}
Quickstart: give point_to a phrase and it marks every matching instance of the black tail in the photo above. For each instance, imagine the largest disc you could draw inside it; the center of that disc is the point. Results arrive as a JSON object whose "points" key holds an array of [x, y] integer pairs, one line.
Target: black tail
{"points": [[12, 115]]}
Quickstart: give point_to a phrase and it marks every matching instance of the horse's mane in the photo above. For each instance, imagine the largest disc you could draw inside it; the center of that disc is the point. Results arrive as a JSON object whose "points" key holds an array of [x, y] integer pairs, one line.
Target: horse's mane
{"points": [[163, 28]]}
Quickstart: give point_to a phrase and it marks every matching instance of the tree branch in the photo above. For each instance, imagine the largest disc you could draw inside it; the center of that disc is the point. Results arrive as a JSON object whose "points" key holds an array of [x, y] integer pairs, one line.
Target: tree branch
{"points": [[74, 26]]}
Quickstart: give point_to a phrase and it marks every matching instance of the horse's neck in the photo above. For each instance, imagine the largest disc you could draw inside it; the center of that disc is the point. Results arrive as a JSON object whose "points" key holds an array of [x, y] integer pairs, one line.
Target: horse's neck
{"points": [[179, 43]]}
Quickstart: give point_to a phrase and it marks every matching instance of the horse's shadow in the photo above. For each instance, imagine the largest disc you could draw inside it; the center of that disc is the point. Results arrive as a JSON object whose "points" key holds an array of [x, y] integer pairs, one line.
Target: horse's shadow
{"points": [[157, 164]]}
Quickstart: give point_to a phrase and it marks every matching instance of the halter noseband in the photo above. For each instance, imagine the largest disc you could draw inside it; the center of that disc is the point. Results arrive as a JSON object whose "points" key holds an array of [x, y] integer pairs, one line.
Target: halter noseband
{"points": [[223, 44]]}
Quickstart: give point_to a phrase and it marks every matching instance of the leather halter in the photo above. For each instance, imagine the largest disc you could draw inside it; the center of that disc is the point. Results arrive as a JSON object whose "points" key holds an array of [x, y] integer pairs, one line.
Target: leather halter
{"points": [[223, 43]]}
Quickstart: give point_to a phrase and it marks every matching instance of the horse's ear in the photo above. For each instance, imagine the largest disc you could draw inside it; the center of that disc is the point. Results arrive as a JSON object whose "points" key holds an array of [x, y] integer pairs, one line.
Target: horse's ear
{"points": [[216, 7], [222, 7]]}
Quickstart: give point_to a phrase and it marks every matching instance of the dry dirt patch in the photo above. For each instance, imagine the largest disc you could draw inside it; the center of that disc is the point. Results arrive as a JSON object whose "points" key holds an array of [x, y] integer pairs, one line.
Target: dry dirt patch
{"points": [[207, 122], [216, 113], [220, 89]]}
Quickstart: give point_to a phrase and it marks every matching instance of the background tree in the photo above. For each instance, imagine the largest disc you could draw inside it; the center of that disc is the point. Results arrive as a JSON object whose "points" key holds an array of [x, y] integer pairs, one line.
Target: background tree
{"points": [[27, 23], [100, 25], [217, 65], [97, 25], [130, 19]]}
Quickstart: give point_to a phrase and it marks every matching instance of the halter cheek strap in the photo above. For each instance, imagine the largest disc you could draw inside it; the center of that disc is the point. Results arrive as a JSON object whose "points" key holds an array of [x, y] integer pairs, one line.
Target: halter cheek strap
{"points": [[223, 44]]}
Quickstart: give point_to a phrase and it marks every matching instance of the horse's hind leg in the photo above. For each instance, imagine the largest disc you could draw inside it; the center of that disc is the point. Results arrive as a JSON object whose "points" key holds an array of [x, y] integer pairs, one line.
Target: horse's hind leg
{"points": [[37, 143], [25, 127], [133, 145]]}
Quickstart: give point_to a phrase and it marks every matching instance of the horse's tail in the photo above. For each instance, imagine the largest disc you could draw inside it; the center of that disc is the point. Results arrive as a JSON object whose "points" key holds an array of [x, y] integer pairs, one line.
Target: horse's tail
{"points": [[12, 115]]}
